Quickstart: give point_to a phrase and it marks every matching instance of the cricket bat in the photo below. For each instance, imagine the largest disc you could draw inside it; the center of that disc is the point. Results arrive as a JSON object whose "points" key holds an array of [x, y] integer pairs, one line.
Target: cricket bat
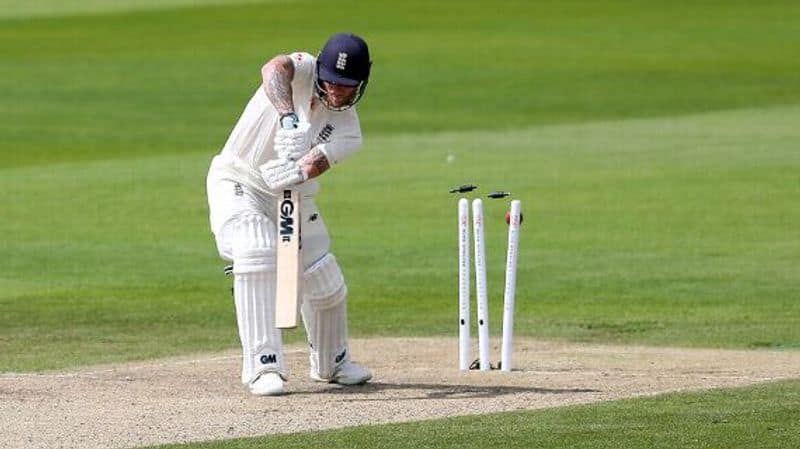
{"points": [[289, 269]]}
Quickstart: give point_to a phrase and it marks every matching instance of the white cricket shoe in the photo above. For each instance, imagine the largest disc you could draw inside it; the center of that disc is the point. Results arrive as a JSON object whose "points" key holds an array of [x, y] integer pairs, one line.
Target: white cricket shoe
{"points": [[349, 373], [268, 384]]}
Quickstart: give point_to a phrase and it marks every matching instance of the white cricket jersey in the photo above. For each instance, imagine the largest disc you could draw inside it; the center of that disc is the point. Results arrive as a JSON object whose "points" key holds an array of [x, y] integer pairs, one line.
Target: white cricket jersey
{"points": [[336, 133]]}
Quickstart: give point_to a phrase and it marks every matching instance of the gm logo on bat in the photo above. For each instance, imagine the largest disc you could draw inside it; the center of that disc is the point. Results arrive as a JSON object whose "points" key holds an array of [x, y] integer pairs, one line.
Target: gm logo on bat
{"points": [[287, 223]]}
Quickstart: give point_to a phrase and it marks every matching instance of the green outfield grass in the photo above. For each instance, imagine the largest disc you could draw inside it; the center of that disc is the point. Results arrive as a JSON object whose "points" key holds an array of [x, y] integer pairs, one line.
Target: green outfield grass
{"points": [[765, 417], [25, 9], [174, 80], [649, 218], [654, 147], [673, 231]]}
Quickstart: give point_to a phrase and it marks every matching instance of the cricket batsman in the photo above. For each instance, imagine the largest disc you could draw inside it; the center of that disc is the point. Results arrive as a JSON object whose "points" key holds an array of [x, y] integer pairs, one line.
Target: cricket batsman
{"points": [[299, 123]]}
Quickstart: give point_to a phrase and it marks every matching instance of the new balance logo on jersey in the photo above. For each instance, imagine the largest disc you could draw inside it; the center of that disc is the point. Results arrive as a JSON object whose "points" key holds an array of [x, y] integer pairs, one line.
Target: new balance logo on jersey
{"points": [[324, 135], [269, 358], [342, 61]]}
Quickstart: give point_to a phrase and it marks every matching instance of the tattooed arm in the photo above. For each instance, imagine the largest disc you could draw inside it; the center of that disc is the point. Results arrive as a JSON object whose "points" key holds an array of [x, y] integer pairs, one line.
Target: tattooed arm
{"points": [[278, 74], [314, 163]]}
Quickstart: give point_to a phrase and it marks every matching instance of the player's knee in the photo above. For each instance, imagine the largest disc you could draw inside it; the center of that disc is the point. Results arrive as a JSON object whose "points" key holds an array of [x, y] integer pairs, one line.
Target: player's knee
{"points": [[315, 247], [316, 242], [253, 247], [324, 283]]}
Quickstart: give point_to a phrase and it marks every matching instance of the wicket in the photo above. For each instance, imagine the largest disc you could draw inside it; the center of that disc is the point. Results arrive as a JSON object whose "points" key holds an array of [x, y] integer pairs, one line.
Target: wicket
{"points": [[511, 286], [480, 285], [463, 284]]}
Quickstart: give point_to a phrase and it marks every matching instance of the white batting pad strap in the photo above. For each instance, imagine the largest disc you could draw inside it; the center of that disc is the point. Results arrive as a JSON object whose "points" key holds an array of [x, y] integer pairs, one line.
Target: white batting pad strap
{"points": [[254, 294], [324, 312], [253, 245], [322, 280]]}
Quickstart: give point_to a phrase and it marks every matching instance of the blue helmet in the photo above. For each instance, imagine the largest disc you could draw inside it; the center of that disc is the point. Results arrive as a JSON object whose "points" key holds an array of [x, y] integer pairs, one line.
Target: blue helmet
{"points": [[344, 60]]}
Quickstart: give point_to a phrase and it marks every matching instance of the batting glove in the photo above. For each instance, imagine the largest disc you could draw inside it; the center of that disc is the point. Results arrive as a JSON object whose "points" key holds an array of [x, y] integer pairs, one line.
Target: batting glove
{"points": [[292, 143], [280, 173]]}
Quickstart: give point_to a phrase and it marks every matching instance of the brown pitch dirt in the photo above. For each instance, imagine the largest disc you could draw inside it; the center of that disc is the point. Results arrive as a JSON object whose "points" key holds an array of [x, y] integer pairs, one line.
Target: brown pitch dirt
{"points": [[200, 398]]}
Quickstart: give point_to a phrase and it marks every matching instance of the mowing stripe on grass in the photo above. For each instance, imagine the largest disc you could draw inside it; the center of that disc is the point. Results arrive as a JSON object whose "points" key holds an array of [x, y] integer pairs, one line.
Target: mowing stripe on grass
{"points": [[27, 9]]}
